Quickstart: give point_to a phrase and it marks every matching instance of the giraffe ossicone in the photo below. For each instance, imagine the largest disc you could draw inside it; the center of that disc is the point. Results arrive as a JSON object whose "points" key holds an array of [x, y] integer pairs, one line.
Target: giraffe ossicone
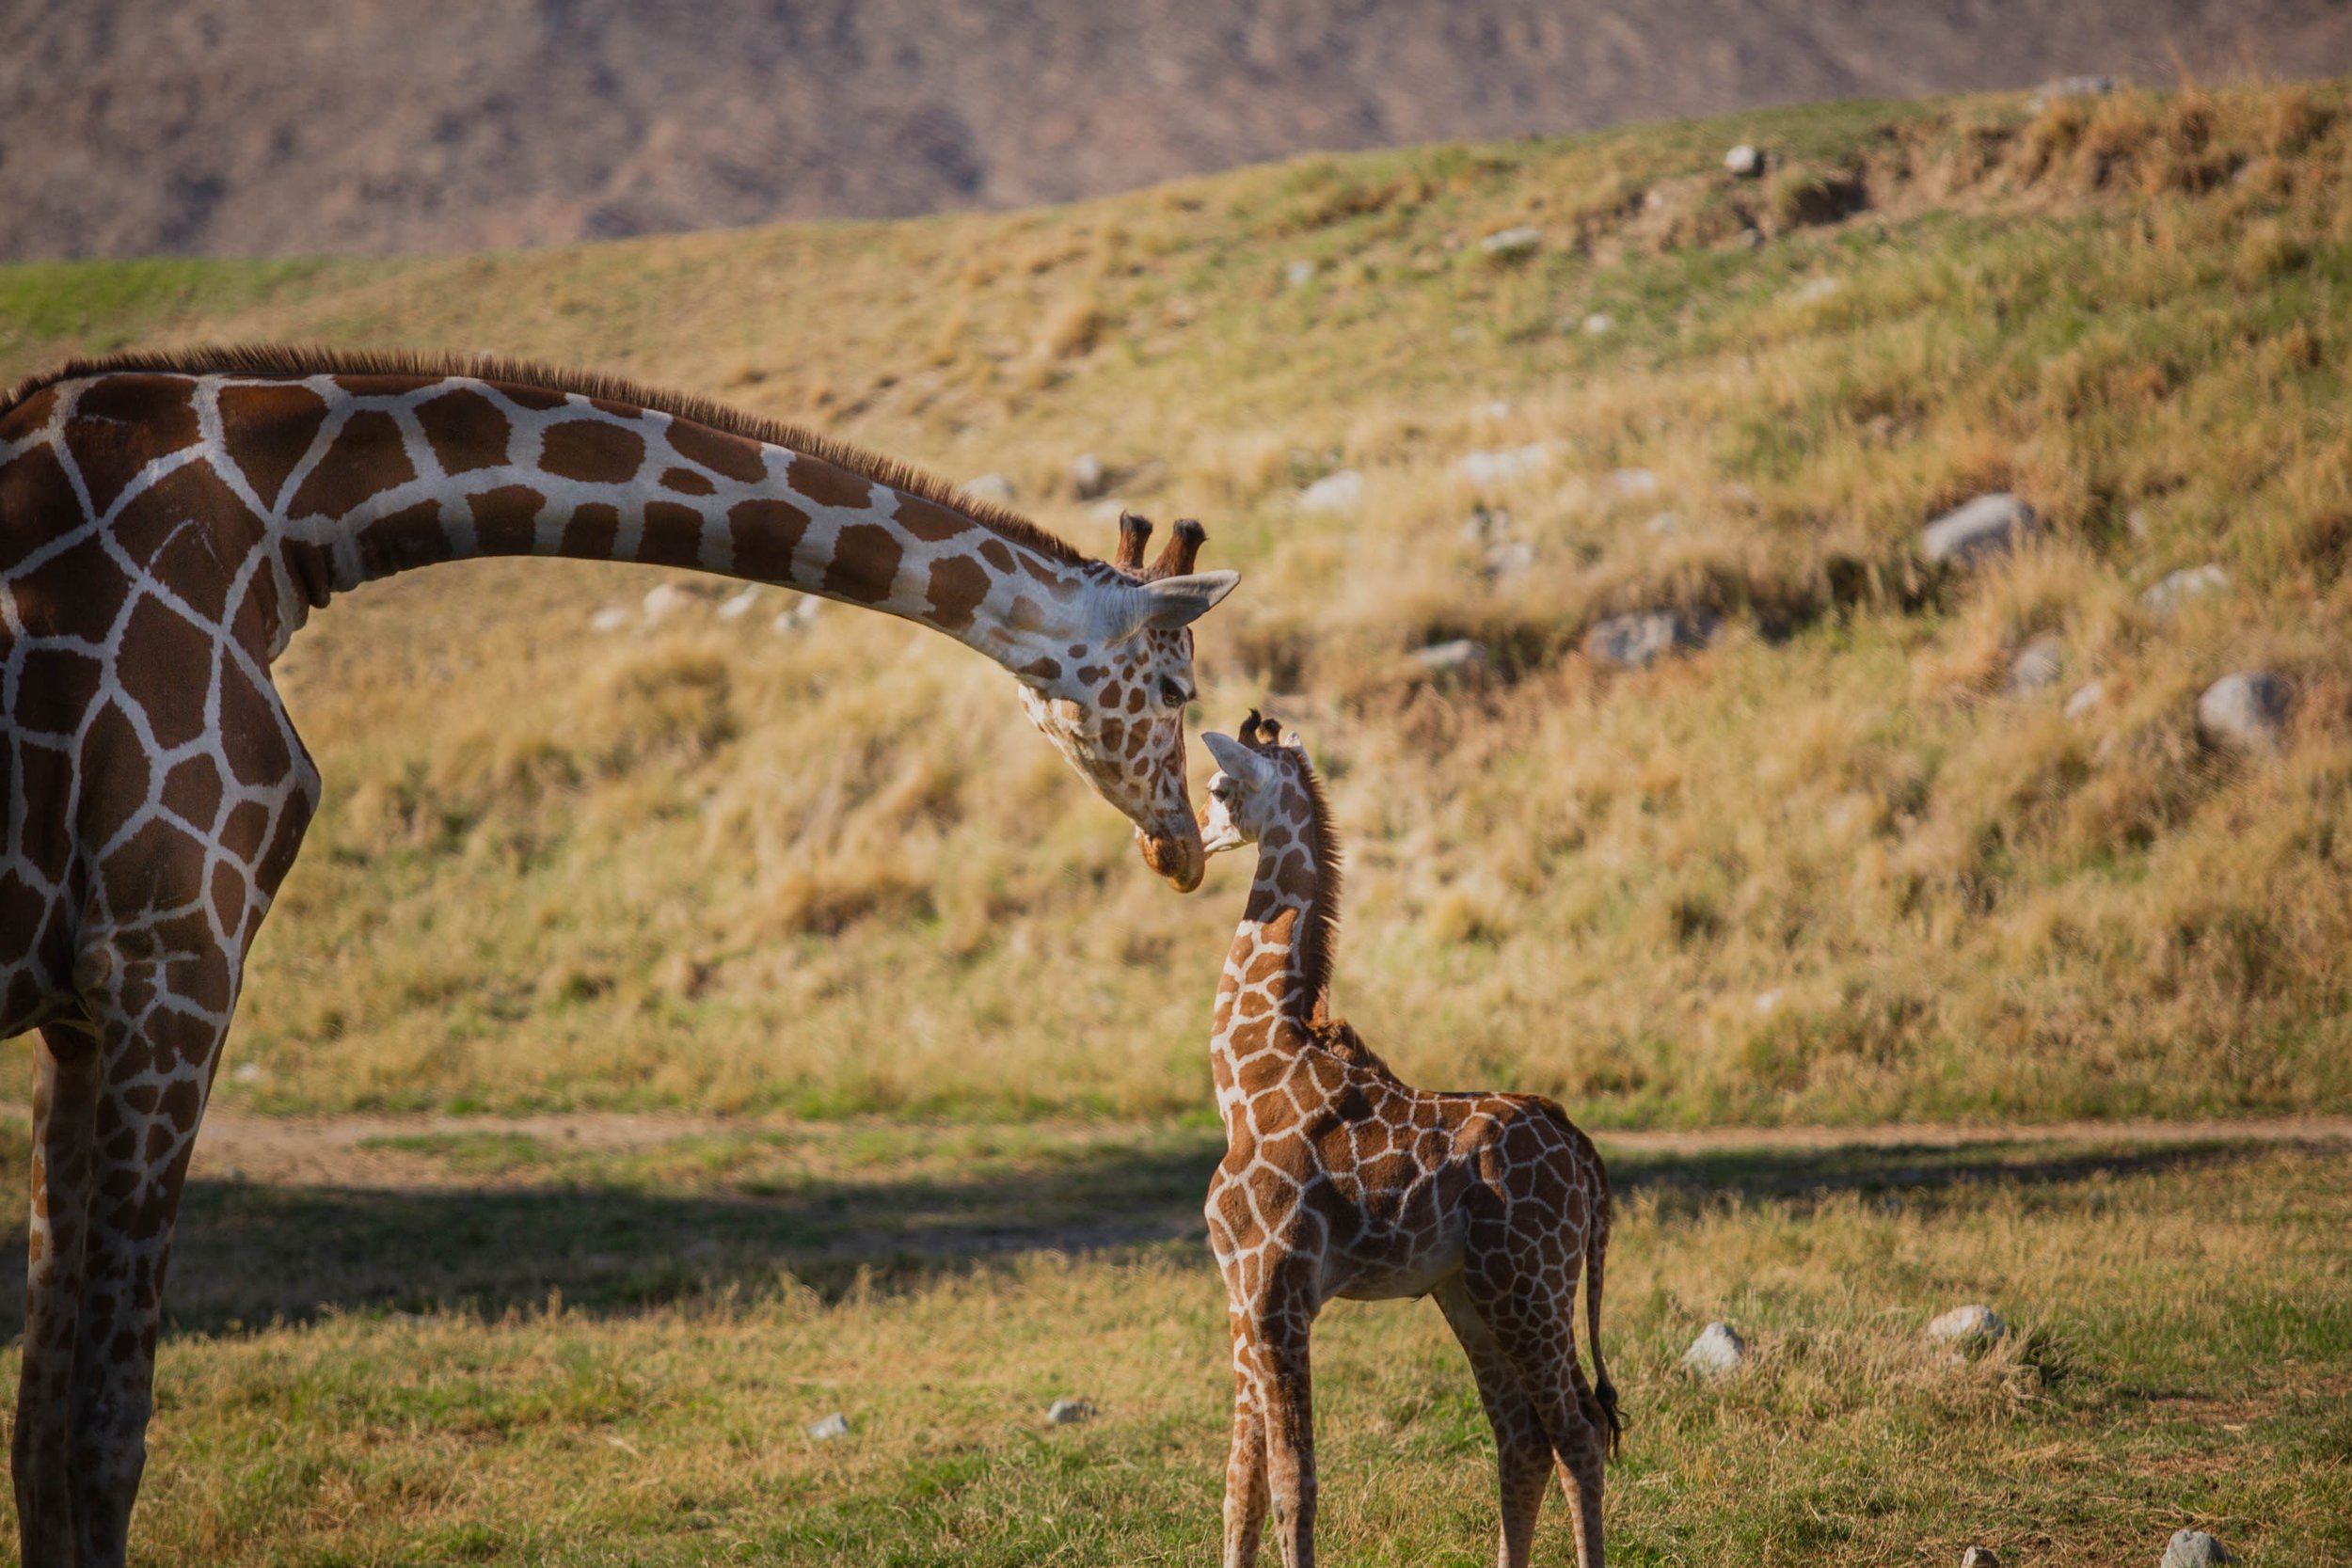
{"points": [[1340, 1180], [168, 523]]}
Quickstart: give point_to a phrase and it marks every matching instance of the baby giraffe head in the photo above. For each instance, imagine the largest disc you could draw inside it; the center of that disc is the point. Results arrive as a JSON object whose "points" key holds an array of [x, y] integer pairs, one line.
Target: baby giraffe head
{"points": [[1265, 791]]}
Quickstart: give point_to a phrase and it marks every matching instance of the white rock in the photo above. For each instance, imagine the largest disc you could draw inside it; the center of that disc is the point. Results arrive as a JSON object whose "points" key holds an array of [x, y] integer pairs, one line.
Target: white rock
{"points": [[2247, 710], [1979, 1556], [800, 617], [1970, 1327], [1599, 322], [1520, 241], [1498, 409], [1334, 491], [249, 1072], [990, 487], [2069, 86], [1638, 641], [833, 1426], [1990, 525], [2036, 665], [1717, 1352], [1508, 463], [1633, 483], [2189, 582], [740, 605], [1461, 656], [1063, 1413], [1767, 1000], [1298, 275], [611, 618], [1087, 476], [663, 600], [1814, 289], [1509, 558], [2085, 697], [1743, 162], [1662, 525], [2194, 1548]]}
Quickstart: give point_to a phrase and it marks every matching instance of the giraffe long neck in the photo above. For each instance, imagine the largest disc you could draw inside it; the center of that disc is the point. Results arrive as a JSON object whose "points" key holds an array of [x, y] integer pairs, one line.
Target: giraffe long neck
{"points": [[360, 476], [1277, 974]]}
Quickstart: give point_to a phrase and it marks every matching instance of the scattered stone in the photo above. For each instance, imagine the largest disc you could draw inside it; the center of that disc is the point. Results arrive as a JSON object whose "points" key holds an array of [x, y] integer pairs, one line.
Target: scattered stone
{"points": [[1597, 323], [1510, 558], [1814, 288], [1511, 242], [2069, 86], [1979, 1556], [800, 617], [249, 1072], [1633, 483], [2179, 587], [1743, 162], [1717, 1352], [1460, 658], [1508, 463], [2247, 710], [1063, 1413], [833, 1426], [1767, 1000], [1990, 525], [1498, 409], [1298, 275], [2036, 665], [1663, 525], [665, 599], [1087, 476], [1968, 1328], [2194, 1548], [1335, 492], [703, 1251], [738, 607], [1638, 641], [994, 488], [2085, 697], [609, 619]]}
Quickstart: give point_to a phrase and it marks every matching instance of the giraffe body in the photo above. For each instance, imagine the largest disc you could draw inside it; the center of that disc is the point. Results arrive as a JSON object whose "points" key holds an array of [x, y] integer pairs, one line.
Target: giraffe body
{"points": [[1340, 1180], [168, 524]]}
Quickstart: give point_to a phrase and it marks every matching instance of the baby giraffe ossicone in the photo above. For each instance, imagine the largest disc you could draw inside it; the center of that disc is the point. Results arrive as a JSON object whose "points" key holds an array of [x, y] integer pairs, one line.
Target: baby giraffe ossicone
{"points": [[1340, 1180]]}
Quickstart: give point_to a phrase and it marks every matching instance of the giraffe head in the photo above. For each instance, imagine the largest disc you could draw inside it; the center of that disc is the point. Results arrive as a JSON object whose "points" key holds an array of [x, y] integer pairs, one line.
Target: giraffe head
{"points": [[1261, 784], [1113, 700]]}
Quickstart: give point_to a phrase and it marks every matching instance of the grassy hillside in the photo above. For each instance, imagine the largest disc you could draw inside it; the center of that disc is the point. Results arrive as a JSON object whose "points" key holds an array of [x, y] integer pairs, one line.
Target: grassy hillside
{"points": [[1825, 868]]}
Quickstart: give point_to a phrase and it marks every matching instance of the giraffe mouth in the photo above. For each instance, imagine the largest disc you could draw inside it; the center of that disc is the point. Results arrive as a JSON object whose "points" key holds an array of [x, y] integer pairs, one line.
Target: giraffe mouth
{"points": [[1176, 856]]}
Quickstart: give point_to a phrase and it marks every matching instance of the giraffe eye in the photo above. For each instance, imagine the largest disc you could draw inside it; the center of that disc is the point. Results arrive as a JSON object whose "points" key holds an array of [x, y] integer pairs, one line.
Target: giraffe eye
{"points": [[1172, 693]]}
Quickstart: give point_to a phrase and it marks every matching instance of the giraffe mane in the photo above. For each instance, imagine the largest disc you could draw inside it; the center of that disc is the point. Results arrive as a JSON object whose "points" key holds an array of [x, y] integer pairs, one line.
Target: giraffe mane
{"points": [[1319, 940], [305, 359]]}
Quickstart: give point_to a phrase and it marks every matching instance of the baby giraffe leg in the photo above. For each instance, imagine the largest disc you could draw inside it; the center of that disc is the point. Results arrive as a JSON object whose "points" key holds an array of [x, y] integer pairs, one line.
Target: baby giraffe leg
{"points": [[1277, 1352], [1245, 1464], [1522, 1451], [1526, 1291]]}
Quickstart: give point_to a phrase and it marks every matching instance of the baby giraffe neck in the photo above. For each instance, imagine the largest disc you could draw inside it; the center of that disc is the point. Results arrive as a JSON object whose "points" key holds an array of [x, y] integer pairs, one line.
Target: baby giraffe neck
{"points": [[1277, 977]]}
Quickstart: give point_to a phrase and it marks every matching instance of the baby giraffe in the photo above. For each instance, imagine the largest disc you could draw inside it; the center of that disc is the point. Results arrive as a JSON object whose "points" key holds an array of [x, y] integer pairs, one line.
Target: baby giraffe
{"points": [[1340, 1180]]}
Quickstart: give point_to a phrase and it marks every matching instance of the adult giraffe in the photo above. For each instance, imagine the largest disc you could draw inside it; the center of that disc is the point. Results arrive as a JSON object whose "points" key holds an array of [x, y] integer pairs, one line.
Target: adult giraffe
{"points": [[168, 521]]}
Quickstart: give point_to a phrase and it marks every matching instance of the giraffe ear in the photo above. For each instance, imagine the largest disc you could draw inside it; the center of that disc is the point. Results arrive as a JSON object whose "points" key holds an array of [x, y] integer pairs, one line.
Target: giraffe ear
{"points": [[1238, 760], [1171, 602]]}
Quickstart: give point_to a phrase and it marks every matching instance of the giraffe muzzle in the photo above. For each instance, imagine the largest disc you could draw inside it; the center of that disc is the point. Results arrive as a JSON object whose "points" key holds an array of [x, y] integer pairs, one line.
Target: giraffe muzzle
{"points": [[1176, 856]]}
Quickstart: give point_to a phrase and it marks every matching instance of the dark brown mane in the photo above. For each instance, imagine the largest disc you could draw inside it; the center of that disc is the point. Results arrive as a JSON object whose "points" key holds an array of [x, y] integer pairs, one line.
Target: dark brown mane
{"points": [[282, 359], [1319, 938]]}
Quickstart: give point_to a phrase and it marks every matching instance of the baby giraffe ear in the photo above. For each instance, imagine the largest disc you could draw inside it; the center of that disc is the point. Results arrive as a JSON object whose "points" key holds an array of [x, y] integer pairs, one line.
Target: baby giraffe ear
{"points": [[1237, 760]]}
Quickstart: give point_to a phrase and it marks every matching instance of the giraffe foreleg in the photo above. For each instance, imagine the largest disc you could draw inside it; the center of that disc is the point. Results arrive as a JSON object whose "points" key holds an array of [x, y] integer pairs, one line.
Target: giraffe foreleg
{"points": [[1522, 1449], [158, 1066], [1246, 1462], [64, 1113]]}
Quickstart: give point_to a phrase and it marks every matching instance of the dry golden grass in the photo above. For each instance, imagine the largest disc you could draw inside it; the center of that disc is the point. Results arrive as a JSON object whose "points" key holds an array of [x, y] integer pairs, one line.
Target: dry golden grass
{"points": [[1825, 869]]}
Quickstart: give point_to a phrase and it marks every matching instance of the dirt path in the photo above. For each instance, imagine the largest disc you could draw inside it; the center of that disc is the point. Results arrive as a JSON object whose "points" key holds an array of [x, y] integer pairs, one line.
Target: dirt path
{"points": [[351, 1150]]}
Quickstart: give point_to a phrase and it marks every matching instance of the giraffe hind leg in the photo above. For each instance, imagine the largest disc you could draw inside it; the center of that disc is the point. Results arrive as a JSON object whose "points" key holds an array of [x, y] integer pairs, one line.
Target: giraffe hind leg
{"points": [[1523, 1454], [1526, 1291], [65, 1111]]}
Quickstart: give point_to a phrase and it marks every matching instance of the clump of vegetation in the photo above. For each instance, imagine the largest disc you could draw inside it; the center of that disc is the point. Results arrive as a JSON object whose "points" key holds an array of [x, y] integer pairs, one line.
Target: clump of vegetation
{"points": [[1825, 867]]}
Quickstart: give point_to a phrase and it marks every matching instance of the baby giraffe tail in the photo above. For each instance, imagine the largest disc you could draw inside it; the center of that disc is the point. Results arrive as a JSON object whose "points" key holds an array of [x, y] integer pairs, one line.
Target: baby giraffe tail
{"points": [[1596, 1255]]}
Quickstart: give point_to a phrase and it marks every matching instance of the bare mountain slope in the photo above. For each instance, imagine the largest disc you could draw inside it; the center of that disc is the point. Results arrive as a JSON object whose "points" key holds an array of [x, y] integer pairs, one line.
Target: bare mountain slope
{"points": [[265, 126]]}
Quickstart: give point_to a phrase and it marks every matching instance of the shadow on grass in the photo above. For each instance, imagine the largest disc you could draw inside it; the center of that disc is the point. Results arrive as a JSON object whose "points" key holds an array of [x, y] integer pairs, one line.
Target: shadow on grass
{"points": [[251, 1254]]}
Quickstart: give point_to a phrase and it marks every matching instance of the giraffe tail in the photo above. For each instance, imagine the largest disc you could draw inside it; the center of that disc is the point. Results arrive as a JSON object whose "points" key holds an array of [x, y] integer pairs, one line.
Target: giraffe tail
{"points": [[1596, 1256]]}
